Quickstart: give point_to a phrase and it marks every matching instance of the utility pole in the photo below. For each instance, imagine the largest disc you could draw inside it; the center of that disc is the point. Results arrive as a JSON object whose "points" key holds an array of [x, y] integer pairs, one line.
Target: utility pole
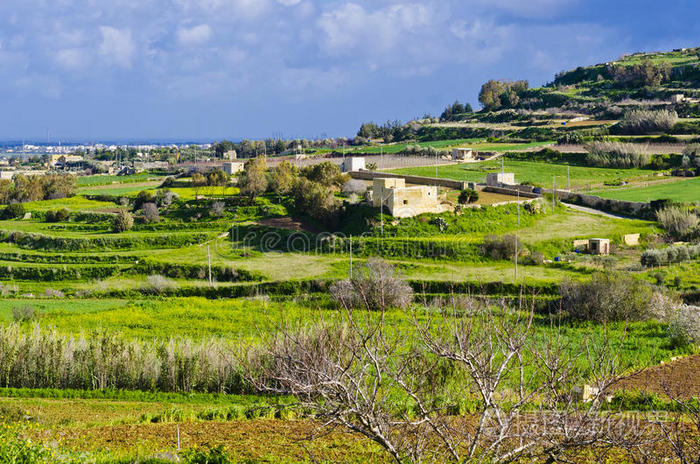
{"points": [[211, 283], [351, 257], [436, 164]]}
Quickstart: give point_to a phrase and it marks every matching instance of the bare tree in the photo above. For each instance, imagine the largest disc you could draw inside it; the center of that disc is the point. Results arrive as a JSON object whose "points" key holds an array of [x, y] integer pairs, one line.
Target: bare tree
{"points": [[351, 372]]}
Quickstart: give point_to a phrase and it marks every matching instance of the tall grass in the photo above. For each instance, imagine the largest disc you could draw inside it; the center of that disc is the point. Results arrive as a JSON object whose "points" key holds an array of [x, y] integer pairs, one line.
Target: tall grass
{"points": [[44, 358], [617, 155], [647, 121]]}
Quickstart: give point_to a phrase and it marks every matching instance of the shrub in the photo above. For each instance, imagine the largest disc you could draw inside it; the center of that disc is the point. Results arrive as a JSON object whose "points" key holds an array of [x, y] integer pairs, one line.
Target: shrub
{"points": [[354, 186], [684, 326], [24, 313], [217, 209], [617, 155], [677, 222], [376, 286], [674, 254], [607, 297], [157, 283], [13, 211], [58, 215], [647, 121], [215, 455], [123, 221], [468, 196], [502, 247], [51, 293], [150, 212]]}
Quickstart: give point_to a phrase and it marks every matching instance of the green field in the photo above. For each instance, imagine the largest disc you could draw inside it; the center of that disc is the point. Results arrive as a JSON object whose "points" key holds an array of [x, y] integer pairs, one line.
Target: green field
{"points": [[476, 144], [87, 181], [680, 190], [537, 173]]}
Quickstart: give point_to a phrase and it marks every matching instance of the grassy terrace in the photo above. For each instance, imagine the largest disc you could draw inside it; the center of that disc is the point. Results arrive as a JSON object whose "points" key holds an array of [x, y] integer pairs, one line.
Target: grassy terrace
{"points": [[530, 171], [680, 190]]}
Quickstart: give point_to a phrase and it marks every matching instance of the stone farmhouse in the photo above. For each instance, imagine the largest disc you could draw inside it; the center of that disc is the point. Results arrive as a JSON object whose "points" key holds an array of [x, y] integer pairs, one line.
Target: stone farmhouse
{"points": [[402, 201]]}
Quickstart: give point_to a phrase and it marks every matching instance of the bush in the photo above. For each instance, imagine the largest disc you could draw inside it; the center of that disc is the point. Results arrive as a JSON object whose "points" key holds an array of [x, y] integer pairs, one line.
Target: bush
{"points": [[217, 209], [13, 211], [607, 297], [501, 247], [354, 186], [123, 221], [675, 254], [677, 222], [684, 326], [58, 215], [150, 212], [647, 121], [468, 196], [24, 313], [157, 283], [376, 286], [617, 155]]}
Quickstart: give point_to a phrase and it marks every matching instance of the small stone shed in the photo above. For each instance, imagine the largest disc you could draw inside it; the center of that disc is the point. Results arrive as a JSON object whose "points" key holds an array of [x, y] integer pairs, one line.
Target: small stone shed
{"points": [[353, 164], [498, 179], [594, 246], [462, 154], [599, 246], [233, 167]]}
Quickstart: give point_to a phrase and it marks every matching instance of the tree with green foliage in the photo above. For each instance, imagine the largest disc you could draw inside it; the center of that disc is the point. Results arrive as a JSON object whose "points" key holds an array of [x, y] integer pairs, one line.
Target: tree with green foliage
{"points": [[325, 173], [454, 110], [254, 181], [316, 200], [282, 178], [468, 196], [198, 181], [495, 94]]}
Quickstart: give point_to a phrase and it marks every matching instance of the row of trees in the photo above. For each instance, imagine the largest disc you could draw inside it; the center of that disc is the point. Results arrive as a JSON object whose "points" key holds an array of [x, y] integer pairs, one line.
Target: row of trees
{"points": [[390, 131], [453, 111], [252, 148], [37, 187], [313, 188], [647, 73]]}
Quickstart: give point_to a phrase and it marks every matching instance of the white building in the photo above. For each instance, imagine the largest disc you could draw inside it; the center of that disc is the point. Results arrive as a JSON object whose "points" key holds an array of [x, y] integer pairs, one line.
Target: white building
{"points": [[462, 154], [353, 164], [233, 167], [499, 179], [402, 201]]}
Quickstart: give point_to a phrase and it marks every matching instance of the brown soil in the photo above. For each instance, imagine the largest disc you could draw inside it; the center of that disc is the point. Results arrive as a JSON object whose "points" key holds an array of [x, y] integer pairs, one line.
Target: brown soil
{"points": [[679, 378], [260, 440], [290, 223]]}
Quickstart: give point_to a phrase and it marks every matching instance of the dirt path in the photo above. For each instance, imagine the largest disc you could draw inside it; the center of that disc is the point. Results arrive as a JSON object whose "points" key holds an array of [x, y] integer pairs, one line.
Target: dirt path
{"points": [[595, 211]]}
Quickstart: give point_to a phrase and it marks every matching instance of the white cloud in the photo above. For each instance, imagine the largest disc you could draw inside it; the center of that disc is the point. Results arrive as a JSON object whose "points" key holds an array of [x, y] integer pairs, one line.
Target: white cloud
{"points": [[529, 8], [194, 36], [352, 27], [71, 58], [288, 2], [117, 46]]}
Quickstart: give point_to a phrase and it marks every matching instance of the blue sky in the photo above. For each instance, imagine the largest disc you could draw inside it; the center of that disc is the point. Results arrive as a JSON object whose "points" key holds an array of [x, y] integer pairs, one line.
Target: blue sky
{"points": [[209, 69]]}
